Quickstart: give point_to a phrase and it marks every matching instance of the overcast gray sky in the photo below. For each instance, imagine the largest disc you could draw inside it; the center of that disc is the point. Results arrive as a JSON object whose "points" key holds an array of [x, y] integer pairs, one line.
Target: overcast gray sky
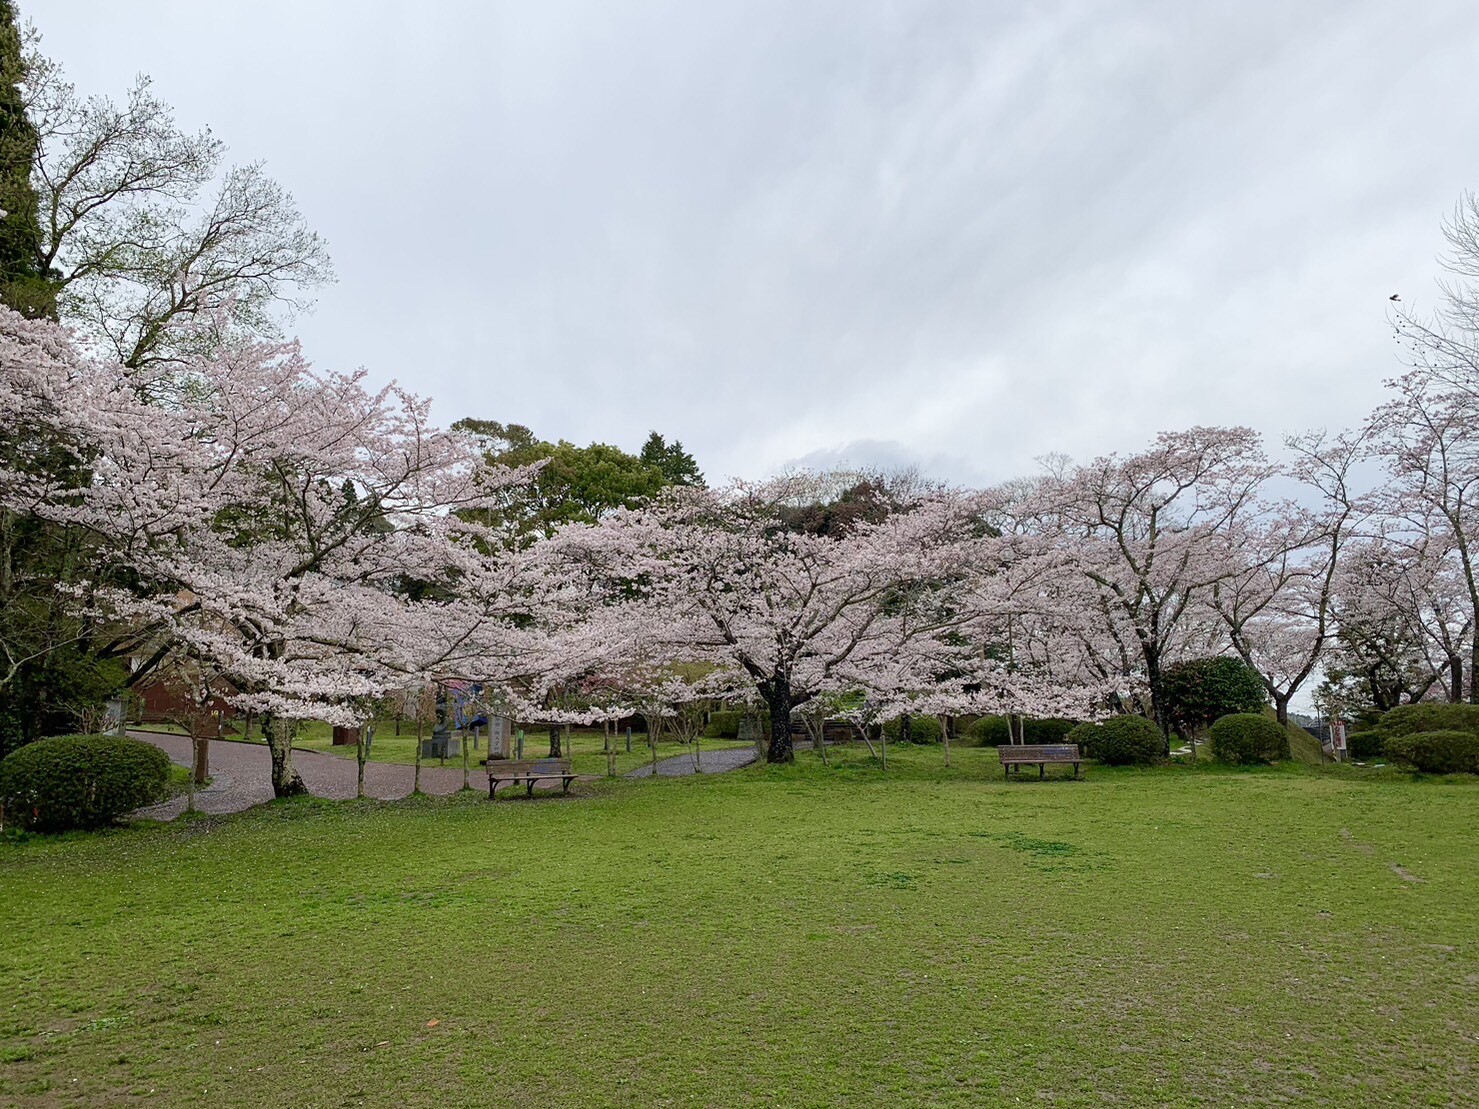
{"points": [[955, 234]]}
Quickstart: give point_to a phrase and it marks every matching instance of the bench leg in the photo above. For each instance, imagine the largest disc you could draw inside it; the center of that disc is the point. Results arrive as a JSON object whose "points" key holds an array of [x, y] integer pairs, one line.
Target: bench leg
{"points": [[1042, 771], [567, 785], [530, 784], [492, 789], [1006, 771], [1075, 771]]}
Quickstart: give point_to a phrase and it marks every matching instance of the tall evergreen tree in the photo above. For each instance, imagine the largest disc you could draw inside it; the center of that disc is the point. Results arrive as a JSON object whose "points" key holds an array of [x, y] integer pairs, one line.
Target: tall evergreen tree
{"points": [[22, 284], [678, 467]]}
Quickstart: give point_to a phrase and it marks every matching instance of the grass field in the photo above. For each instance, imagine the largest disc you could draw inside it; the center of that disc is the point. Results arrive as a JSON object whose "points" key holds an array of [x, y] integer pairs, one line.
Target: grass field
{"points": [[776, 936]]}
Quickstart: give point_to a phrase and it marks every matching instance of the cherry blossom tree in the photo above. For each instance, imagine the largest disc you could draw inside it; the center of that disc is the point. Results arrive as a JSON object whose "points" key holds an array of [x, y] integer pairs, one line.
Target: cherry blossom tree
{"points": [[1428, 436], [728, 576], [1428, 432], [1278, 605], [1149, 533], [273, 517]]}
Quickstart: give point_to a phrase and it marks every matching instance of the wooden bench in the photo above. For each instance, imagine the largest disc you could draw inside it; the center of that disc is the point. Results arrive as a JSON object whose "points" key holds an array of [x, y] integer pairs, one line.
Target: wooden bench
{"points": [[1013, 756], [528, 771]]}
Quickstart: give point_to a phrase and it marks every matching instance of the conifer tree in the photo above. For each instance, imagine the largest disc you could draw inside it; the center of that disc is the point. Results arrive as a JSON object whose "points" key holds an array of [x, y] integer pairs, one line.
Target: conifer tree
{"points": [[22, 284]]}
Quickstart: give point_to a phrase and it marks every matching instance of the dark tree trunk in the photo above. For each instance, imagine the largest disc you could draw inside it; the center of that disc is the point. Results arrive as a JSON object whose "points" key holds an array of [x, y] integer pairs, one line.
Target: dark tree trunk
{"points": [[1456, 679], [279, 736], [1157, 698], [554, 741], [906, 729], [777, 695], [1473, 661], [1281, 709]]}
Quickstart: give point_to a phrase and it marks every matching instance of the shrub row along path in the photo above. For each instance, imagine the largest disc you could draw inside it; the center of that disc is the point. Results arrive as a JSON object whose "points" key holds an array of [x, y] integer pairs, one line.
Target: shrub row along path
{"points": [[241, 775]]}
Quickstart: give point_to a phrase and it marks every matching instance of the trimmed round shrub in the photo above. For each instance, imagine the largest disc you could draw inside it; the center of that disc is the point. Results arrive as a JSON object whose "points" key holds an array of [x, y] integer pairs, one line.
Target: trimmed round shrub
{"points": [[922, 729], [724, 725], [1120, 741], [1365, 745], [80, 781], [1440, 752], [1084, 735], [1249, 737], [1429, 716]]}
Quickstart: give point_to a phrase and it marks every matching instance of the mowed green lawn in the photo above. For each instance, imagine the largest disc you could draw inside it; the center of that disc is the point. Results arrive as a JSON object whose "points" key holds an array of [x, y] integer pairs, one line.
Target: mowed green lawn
{"points": [[792, 936]]}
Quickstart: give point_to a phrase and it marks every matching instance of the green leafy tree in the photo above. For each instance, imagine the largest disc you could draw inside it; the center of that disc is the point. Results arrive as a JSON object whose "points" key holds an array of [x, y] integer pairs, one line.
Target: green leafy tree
{"points": [[1201, 690], [677, 466], [23, 281], [574, 484]]}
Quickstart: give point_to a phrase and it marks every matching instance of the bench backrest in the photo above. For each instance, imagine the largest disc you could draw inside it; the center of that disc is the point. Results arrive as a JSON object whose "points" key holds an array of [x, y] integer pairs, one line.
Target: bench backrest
{"points": [[517, 768], [1021, 752]]}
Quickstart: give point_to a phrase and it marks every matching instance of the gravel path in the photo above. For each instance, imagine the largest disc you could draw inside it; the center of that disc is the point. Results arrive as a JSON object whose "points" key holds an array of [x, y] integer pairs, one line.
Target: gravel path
{"points": [[241, 775], [712, 762]]}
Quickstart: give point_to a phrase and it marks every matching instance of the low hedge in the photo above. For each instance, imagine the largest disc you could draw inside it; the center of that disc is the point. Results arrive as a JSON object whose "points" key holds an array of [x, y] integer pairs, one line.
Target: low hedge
{"points": [[80, 781], [1249, 737], [993, 731], [1120, 741], [922, 729], [1366, 745], [1429, 716], [988, 731], [724, 725], [1439, 752]]}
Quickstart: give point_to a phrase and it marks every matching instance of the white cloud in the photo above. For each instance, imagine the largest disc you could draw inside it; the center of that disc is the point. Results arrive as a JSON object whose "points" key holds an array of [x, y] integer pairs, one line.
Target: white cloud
{"points": [[954, 234]]}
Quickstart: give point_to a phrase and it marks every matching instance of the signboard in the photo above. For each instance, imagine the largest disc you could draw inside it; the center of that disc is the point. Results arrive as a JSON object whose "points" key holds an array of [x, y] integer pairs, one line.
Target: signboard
{"points": [[1337, 734]]}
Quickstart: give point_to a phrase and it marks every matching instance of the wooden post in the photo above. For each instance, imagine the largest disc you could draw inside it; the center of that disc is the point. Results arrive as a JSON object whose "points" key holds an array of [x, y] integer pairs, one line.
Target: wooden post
{"points": [[420, 721], [629, 739], [610, 763], [190, 778], [439, 729], [519, 743], [359, 758]]}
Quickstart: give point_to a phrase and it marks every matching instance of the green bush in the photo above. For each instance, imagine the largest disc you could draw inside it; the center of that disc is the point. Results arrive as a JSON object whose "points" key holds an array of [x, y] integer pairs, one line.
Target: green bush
{"points": [[1049, 730], [724, 725], [1365, 745], [1201, 690], [1438, 752], [1249, 737], [80, 781], [922, 729], [1429, 716], [993, 731], [1119, 741], [989, 731]]}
